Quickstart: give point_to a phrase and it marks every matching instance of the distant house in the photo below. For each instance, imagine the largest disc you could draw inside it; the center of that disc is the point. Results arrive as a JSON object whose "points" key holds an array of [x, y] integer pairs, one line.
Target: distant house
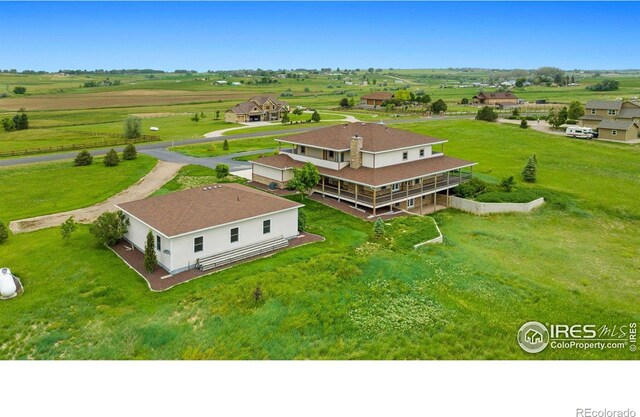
{"points": [[375, 99], [616, 120], [491, 99], [207, 226], [258, 109], [221, 82], [372, 166]]}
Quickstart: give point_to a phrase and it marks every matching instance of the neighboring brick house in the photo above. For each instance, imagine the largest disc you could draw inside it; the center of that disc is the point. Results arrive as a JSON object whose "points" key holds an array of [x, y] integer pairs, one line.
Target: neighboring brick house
{"points": [[615, 120], [258, 109], [375, 99], [491, 99], [369, 165]]}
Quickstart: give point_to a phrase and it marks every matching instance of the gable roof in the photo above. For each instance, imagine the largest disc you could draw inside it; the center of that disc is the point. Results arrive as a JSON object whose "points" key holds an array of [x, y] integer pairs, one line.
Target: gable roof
{"points": [[375, 176], [375, 137], [204, 207], [630, 109], [616, 124], [246, 108], [378, 95], [260, 100], [496, 95], [604, 104]]}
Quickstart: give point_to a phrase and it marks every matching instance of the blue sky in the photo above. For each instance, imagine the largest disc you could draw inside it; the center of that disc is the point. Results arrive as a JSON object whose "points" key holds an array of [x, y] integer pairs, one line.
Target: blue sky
{"points": [[229, 35]]}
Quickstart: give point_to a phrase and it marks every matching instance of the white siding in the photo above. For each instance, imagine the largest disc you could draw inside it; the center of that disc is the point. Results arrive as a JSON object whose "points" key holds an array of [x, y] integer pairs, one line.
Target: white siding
{"points": [[273, 173], [383, 159], [137, 234]]}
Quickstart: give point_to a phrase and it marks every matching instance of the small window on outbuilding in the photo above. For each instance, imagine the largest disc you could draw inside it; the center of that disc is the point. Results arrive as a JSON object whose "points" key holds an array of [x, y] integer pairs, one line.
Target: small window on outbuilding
{"points": [[198, 244], [421, 153], [266, 227], [405, 155], [158, 243], [614, 132], [235, 234]]}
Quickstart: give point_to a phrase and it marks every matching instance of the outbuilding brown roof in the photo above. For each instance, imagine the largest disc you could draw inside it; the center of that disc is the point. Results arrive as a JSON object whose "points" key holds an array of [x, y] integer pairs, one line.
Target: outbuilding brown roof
{"points": [[375, 137], [376, 176], [204, 207], [496, 95], [378, 95]]}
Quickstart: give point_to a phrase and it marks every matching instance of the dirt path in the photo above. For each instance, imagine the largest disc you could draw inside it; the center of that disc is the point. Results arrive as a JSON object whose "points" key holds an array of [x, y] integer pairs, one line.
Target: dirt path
{"points": [[156, 178]]}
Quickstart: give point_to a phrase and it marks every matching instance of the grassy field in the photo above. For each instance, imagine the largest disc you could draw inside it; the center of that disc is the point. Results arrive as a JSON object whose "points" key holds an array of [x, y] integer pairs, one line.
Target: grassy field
{"points": [[358, 297], [46, 188], [191, 176], [207, 150]]}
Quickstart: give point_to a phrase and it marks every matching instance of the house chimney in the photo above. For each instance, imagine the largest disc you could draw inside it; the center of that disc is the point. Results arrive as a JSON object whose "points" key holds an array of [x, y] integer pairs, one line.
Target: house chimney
{"points": [[356, 155]]}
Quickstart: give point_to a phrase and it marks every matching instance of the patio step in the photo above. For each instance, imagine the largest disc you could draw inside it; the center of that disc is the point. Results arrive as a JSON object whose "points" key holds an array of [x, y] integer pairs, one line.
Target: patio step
{"points": [[234, 255]]}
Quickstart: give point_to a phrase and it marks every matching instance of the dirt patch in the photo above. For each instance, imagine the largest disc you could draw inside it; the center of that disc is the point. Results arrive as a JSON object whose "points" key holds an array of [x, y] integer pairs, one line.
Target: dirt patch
{"points": [[159, 175], [117, 99]]}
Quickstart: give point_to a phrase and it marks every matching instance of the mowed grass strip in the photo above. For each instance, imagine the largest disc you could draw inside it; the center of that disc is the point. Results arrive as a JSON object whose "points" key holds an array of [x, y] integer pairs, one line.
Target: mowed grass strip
{"points": [[45, 188], [215, 147]]}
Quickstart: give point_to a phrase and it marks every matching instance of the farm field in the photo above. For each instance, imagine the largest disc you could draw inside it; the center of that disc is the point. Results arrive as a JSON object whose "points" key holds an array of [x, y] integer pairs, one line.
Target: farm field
{"points": [[46, 188], [358, 297]]}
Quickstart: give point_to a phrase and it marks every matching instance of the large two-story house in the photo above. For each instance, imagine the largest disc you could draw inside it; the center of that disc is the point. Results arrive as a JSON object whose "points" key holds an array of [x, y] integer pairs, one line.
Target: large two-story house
{"points": [[372, 166], [616, 120], [265, 108]]}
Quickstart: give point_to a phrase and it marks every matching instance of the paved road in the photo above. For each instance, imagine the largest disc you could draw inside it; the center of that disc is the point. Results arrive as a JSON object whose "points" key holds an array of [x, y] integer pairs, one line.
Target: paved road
{"points": [[158, 149], [168, 156]]}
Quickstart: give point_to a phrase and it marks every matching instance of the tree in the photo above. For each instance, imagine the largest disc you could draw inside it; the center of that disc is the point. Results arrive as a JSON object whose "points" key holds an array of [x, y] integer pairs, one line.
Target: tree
{"points": [[523, 123], [8, 125], [4, 233], [553, 119], [464, 100], [19, 90], [217, 114], [225, 145], [83, 158], [222, 170], [305, 178], [302, 221], [132, 128], [515, 112], [67, 228], [402, 95], [129, 153], [508, 183], [150, 258], [352, 102], [195, 118], [21, 120], [563, 115], [576, 110], [344, 102], [487, 114], [605, 85], [297, 111], [285, 119], [530, 171], [439, 106], [315, 116], [520, 82], [110, 227], [378, 227], [111, 159]]}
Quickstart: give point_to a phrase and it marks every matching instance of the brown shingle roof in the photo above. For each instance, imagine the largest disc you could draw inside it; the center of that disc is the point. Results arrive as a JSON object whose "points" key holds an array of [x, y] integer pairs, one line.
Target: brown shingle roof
{"points": [[196, 209], [376, 176], [378, 95], [616, 124], [604, 104], [496, 95], [375, 137]]}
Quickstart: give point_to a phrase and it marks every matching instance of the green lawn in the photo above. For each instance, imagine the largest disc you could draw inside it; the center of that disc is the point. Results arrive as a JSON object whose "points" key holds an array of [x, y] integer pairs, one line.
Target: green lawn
{"points": [[45, 188], [279, 126], [207, 150], [191, 176]]}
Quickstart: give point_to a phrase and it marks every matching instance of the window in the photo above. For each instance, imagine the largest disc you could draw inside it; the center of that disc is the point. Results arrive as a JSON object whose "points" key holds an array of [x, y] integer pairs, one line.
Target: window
{"points": [[614, 132], [405, 155], [331, 155], [266, 227], [303, 149], [235, 234], [158, 243], [593, 111], [416, 181], [198, 244], [611, 112], [421, 153], [395, 187], [411, 202]]}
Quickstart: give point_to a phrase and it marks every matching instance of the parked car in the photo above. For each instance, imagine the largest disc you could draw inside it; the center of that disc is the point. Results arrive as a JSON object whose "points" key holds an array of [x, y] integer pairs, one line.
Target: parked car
{"points": [[579, 132]]}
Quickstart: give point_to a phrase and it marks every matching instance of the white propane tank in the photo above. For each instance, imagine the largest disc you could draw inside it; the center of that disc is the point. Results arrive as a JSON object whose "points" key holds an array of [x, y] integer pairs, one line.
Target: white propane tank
{"points": [[7, 284]]}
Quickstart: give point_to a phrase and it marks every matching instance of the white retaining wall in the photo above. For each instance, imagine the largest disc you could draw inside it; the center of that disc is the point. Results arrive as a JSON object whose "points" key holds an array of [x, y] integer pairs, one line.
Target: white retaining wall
{"points": [[480, 208]]}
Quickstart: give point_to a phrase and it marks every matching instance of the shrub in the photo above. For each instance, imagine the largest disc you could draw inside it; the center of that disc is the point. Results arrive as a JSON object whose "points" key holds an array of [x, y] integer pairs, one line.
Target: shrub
{"points": [[110, 227], [530, 170], [487, 114], [523, 123], [315, 116], [378, 228], [67, 228], [470, 188], [83, 158], [150, 258], [285, 119], [571, 122], [225, 145], [222, 170], [439, 106], [8, 125], [19, 90], [132, 128], [302, 221], [508, 183], [257, 294], [464, 101], [111, 159], [129, 153], [4, 233]]}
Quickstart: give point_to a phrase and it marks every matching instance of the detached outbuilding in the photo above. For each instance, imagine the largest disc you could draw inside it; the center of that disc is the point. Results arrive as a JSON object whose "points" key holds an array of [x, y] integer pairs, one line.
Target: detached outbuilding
{"points": [[209, 226], [623, 130]]}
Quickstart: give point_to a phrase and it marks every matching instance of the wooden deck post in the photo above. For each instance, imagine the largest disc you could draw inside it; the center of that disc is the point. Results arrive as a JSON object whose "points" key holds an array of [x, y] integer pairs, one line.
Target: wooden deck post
{"points": [[323, 186], [374, 202], [339, 182], [356, 195]]}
